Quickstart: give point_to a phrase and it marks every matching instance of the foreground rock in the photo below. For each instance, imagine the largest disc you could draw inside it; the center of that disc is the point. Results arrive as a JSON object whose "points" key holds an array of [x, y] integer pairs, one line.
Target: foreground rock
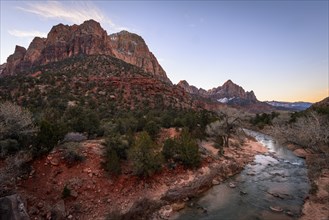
{"points": [[13, 208]]}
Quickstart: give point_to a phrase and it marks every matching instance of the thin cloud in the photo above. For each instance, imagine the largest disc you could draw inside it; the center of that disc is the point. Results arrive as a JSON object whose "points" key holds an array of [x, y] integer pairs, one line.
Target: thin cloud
{"points": [[19, 33], [77, 12]]}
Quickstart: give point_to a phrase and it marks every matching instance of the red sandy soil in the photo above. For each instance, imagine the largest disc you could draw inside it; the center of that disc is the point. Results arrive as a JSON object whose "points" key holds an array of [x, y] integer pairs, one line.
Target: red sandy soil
{"points": [[94, 193]]}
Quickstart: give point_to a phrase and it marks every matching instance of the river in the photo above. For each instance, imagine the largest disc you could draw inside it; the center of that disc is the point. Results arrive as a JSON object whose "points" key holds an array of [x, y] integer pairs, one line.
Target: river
{"points": [[272, 187]]}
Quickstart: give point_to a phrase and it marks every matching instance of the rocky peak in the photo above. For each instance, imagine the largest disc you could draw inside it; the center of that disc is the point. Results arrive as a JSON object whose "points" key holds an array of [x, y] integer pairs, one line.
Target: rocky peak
{"points": [[14, 60], [64, 41], [251, 95], [228, 91], [91, 27], [132, 49], [186, 86]]}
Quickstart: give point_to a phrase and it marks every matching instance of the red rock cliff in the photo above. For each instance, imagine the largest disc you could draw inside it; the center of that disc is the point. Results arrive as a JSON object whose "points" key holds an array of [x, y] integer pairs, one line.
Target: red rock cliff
{"points": [[64, 41]]}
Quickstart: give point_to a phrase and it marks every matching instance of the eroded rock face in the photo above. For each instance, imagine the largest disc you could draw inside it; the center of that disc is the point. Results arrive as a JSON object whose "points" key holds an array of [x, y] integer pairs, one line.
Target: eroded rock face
{"points": [[14, 60], [89, 38], [132, 49]]}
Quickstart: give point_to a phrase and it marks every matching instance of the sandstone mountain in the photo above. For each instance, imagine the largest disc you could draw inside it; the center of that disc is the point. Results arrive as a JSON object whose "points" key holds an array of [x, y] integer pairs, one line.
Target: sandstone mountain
{"points": [[89, 38]]}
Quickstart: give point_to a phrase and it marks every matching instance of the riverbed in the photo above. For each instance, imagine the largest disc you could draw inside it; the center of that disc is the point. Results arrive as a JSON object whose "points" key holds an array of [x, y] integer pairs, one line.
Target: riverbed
{"points": [[272, 187]]}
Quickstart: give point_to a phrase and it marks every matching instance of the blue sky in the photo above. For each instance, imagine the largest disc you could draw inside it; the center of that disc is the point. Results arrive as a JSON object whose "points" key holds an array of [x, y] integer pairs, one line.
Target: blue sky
{"points": [[279, 49]]}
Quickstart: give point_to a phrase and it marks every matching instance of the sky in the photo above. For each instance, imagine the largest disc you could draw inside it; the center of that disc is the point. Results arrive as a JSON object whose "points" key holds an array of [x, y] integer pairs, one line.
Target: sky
{"points": [[278, 49]]}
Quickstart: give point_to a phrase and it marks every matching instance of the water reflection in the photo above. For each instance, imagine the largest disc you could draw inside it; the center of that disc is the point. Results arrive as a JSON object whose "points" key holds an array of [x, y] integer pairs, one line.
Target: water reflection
{"points": [[278, 179]]}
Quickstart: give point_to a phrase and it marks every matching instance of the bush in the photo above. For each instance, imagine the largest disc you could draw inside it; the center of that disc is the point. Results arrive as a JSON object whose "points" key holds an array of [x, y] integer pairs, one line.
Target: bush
{"points": [[120, 144], [144, 155], [48, 136], [152, 129], [170, 148], [184, 149], [188, 150], [82, 120], [264, 119], [112, 164]]}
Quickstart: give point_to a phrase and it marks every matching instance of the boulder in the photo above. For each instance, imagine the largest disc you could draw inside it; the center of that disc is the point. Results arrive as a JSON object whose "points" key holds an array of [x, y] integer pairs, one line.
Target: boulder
{"points": [[13, 208]]}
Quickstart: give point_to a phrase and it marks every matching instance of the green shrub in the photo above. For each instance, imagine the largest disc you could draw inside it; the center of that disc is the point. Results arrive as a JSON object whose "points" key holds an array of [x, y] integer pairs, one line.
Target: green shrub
{"points": [[144, 155], [263, 119], [112, 164], [188, 150], [120, 144], [184, 149], [170, 148], [48, 136], [152, 128]]}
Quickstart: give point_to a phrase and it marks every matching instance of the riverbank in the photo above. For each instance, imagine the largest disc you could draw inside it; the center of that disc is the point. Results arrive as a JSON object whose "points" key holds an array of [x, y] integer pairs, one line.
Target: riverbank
{"points": [[316, 205], [317, 202], [85, 191], [220, 169]]}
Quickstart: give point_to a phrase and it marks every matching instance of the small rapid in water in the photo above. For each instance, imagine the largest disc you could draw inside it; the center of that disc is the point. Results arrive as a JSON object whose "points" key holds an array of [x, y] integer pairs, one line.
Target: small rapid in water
{"points": [[272, 187]]}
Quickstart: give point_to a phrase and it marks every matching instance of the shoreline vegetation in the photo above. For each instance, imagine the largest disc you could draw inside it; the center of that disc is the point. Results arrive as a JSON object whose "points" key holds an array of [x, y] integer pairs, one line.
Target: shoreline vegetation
{"points": [[214, 171]]}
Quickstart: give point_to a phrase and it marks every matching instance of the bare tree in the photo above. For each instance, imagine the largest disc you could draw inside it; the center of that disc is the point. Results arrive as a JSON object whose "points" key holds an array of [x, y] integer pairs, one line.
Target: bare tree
{"points": [[310, 131], [15, 121], [223, 129]]}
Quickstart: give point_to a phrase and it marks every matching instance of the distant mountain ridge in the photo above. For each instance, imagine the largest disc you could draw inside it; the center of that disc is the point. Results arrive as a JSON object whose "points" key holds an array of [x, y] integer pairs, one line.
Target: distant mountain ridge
{"points": [[295, 106], [229, 92], [89, 38]]}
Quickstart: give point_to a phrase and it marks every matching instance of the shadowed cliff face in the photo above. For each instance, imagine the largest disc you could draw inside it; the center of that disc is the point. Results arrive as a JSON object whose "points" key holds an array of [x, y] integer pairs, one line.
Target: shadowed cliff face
{"points": [[89, 38]]}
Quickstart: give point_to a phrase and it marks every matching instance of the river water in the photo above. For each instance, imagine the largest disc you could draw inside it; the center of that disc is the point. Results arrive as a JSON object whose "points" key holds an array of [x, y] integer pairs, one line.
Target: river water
{"points": [[276, 180]]}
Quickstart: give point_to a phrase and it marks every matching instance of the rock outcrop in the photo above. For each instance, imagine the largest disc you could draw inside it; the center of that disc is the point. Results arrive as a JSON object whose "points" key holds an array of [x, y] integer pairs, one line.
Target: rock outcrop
{"points": [[132, 49], [13, 207], [89, 38]]}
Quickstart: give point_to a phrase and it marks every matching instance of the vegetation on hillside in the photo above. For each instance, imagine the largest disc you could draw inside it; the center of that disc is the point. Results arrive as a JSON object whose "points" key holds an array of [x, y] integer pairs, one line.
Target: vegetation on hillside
{"points": [[101, 97]]}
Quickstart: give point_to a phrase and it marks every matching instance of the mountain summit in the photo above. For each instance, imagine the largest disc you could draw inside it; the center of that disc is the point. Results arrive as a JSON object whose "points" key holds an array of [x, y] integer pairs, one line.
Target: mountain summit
{"points": [[89, 38], [229, 92]]}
